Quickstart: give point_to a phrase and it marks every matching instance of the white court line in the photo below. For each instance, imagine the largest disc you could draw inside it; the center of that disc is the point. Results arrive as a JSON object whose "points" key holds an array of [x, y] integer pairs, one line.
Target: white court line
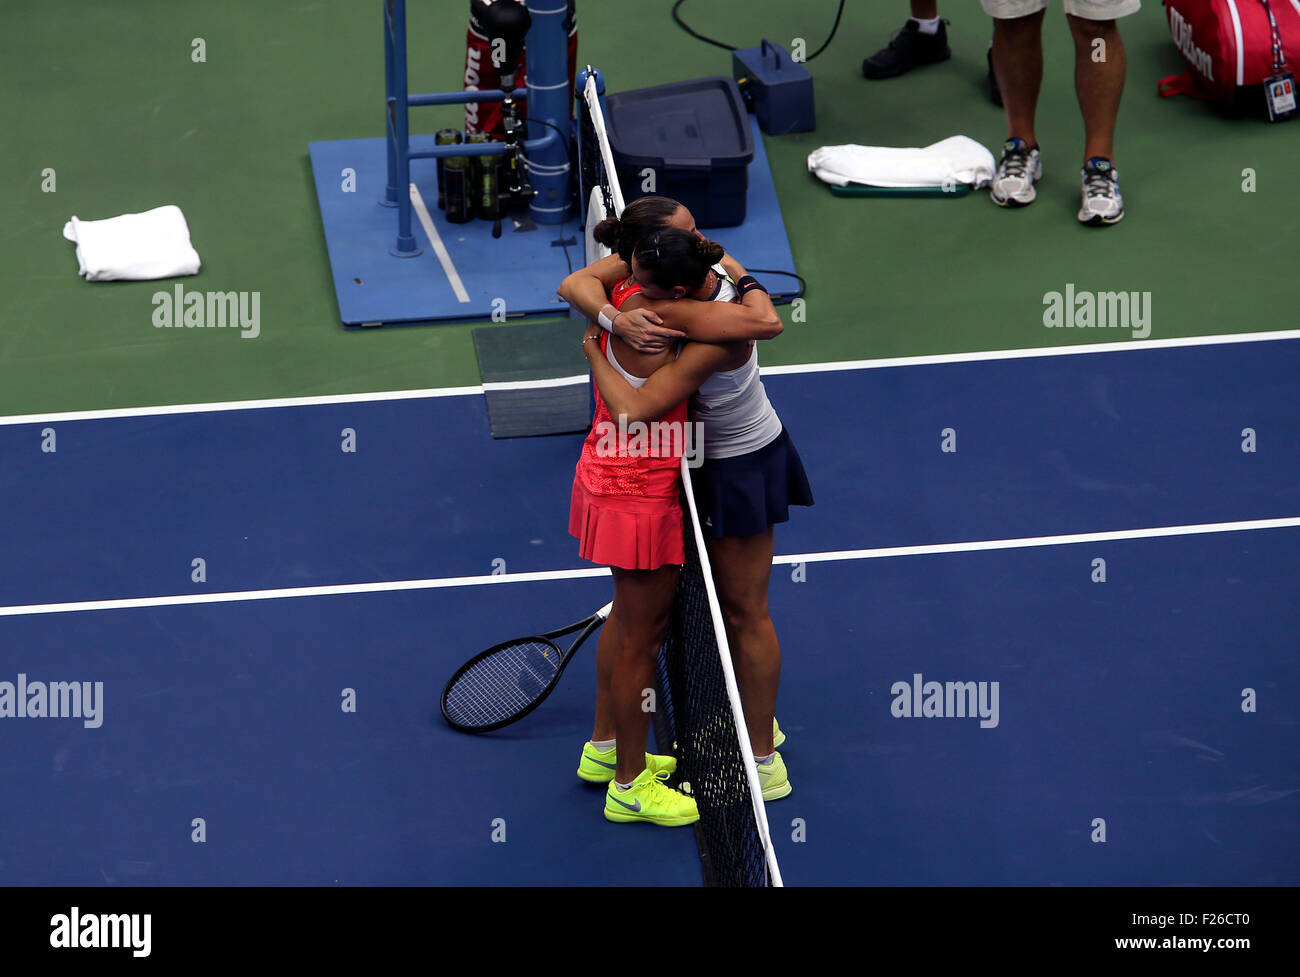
{"points": [[1019, 354], [931, 359], [444, 259], [434, 583], [535, 384], [1009, 544], [318, 401], [333, 590]]}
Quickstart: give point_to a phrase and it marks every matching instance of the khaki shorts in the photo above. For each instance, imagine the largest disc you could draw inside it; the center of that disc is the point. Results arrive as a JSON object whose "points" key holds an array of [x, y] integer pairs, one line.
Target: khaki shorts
{"points": [[1087, 9]]}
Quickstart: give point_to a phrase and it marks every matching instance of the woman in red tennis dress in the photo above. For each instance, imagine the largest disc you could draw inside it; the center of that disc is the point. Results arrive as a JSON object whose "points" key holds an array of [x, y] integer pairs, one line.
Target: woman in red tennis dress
{"points": [[626, 514], [750, 475]]}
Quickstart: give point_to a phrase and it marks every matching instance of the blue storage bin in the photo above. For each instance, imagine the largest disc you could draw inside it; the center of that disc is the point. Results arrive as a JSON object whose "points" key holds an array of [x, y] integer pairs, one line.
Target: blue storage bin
{"points": [[695, 136]]}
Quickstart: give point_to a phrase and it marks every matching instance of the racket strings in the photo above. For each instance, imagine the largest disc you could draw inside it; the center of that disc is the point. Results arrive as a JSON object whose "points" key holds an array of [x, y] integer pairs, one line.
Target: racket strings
{"points": [[502, 684]]}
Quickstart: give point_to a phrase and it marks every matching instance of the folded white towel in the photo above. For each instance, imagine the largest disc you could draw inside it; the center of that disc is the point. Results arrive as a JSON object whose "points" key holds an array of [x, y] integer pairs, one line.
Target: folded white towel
{"points": [[155, 244], [957, 159]]}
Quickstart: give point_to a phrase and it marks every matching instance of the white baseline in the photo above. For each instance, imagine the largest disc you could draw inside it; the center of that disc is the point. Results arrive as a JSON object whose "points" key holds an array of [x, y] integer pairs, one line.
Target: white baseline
{"points": [[478, 389]]}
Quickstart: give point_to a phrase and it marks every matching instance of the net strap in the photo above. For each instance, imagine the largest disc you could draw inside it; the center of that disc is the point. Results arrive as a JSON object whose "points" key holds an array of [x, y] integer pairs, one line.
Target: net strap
{"points": [[733, 691]]}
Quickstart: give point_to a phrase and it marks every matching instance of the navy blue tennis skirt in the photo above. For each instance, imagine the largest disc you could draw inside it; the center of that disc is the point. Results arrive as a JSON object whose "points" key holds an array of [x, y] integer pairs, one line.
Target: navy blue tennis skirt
{"points": [[743, 496]]}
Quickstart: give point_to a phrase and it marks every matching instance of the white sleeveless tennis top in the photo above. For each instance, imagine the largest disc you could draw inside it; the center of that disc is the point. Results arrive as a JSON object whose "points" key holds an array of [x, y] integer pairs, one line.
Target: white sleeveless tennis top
{"points": [[732, 404]]}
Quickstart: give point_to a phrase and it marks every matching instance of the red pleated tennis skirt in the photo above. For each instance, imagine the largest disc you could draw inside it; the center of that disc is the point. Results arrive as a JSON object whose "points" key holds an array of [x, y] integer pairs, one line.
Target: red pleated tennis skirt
{"points": [[630, 532]]}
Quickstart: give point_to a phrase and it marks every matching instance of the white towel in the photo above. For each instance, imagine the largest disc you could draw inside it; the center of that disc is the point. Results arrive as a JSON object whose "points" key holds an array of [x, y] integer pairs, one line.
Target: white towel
{"points": [[155, 244], [957, 159]]}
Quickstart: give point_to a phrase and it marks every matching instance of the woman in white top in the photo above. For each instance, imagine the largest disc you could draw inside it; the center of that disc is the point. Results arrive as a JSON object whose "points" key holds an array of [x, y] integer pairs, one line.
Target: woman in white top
{"points": [[751, 473]]}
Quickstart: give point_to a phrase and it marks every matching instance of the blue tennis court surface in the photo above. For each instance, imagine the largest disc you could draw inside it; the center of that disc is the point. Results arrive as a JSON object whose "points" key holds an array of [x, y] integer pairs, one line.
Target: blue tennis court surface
{"points": [[1112, 706]]}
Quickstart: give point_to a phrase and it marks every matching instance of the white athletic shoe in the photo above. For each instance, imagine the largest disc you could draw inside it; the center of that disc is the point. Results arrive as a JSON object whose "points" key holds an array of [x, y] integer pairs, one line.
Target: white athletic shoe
{"points": [[1018, 170], [1102, 202]]}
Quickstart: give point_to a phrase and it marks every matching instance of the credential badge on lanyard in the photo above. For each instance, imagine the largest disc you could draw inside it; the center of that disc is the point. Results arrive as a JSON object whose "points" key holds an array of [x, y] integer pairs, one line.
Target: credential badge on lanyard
{"points": [[1279, 89]]}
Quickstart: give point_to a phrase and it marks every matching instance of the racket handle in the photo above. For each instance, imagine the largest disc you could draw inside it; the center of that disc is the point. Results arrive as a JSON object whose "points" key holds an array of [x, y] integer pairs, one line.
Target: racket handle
{"points": [[604, 611]]}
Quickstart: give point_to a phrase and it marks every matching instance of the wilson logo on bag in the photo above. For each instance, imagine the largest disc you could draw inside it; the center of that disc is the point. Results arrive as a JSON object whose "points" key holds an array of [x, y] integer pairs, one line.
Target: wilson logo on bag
{"points": [[1231, 48]]}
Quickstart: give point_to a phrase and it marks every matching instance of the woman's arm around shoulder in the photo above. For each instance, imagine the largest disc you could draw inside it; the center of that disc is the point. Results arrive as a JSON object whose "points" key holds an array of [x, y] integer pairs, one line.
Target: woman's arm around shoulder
{"points": [[667, 387]]}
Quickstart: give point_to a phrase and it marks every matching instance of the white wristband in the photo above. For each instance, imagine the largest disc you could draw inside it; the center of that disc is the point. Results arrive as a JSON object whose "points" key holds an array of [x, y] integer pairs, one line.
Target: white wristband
{"points": [[606, 322]]}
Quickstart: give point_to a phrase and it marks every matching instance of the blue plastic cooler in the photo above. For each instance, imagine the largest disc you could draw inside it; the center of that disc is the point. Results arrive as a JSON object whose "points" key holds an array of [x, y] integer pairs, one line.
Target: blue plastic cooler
{"points": [[694, 136]]}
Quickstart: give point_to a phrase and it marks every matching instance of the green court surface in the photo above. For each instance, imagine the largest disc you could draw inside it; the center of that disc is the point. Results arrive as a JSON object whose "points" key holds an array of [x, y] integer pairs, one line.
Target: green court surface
{"points": [[106, 94]]}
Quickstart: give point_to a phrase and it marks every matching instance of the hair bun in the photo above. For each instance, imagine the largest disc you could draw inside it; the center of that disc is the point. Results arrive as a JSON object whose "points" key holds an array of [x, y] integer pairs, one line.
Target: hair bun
{"points": [[711, 251], [606, 232]]}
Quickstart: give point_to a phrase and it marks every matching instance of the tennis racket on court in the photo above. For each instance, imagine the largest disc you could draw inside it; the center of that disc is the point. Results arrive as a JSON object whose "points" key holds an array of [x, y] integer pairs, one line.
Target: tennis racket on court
{"points": [[508, 681]]}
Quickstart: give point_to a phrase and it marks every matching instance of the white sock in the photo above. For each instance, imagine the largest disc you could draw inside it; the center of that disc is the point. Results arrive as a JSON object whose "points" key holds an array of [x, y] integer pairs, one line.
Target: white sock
{"points": [[603, 746], [622, 786], [929, 25], [765, 760]]}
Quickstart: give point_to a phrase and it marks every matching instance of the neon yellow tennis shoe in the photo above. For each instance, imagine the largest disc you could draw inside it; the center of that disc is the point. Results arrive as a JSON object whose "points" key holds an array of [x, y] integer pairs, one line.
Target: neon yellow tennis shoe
{"points": [[774, 779], [598, 768], [778, 737], [649, 799]]}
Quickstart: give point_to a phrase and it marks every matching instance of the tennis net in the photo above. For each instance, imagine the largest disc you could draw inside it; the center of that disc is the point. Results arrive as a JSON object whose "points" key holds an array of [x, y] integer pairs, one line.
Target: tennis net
{"points": [[598, 186], [698, 715]]}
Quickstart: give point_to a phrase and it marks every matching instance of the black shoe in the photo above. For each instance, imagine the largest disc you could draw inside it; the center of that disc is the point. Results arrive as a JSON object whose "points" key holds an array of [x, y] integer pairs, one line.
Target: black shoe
{"points": [[909, 49], [994, 92]]}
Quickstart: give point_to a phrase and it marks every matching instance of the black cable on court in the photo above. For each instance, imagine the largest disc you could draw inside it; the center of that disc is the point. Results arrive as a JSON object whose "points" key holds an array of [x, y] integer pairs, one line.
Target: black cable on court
{"points": [[780, 298], [677, 19]]}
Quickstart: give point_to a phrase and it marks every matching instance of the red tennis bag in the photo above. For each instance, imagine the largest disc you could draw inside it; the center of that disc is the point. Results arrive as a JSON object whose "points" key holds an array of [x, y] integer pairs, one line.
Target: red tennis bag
{"points": [[482, 75], [1228, 47]]}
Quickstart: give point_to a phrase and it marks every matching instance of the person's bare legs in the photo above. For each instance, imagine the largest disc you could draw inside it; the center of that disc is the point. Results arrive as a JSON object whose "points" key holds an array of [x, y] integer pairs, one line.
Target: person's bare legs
{"points": [[606, 654], [1018, 64], [742, 568], [1099, 68], [642, 602], [925, 9]]}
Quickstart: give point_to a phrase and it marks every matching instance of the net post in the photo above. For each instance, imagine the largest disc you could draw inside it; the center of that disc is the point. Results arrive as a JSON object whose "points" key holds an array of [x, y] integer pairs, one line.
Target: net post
{"points": [[592, 96]]}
